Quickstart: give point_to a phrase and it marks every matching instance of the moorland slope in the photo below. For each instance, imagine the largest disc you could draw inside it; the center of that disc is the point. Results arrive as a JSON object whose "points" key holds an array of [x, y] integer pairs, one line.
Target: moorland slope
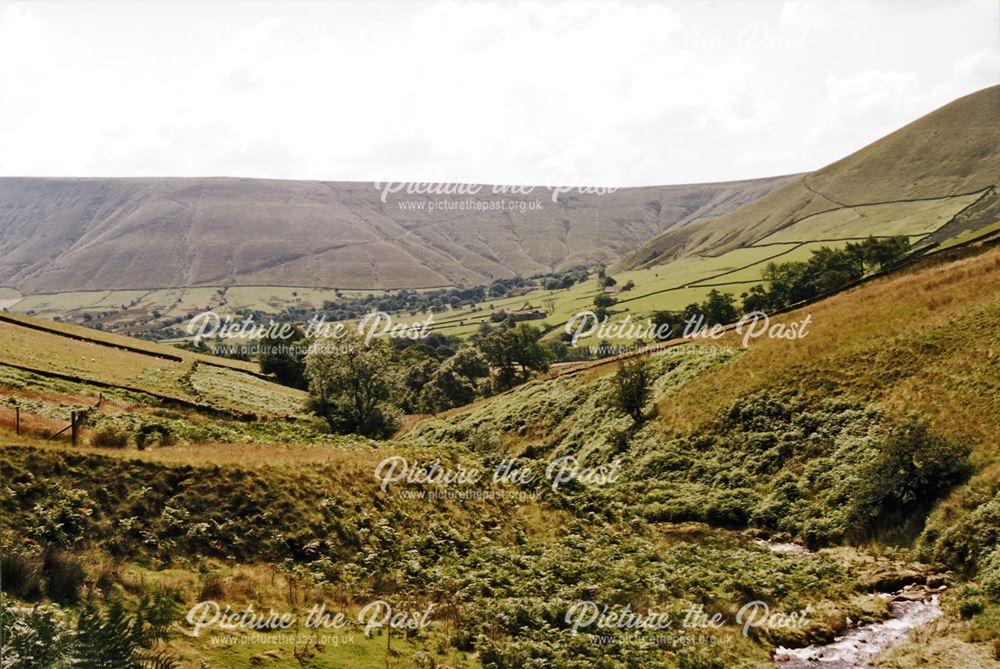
{"points": [[951, 152], [141, 233]]}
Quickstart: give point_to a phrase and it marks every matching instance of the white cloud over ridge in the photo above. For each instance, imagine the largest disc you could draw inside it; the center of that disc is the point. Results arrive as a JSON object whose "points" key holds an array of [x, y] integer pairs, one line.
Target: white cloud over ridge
{"points": [[612, 93]]}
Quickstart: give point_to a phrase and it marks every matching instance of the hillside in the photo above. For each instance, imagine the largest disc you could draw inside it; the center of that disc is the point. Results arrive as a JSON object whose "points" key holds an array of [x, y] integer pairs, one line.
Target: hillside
{"points": [[952, 152], [756, 479], [79, 234], [87, 363]]}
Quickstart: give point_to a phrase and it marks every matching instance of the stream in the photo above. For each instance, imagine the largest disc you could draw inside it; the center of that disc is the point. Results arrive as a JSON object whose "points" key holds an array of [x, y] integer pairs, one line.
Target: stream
{"points": [[858, 647], [912, 606]]}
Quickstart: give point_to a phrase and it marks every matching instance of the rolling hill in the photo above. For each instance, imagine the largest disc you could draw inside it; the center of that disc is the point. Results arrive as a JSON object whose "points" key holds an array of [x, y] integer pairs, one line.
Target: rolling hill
{"points": [[60, 235], [952, 152], [742, 485]]}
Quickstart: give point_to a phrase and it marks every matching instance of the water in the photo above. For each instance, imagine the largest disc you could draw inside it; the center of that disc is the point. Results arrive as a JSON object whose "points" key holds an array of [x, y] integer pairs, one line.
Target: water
{"points": [[857, 648]]}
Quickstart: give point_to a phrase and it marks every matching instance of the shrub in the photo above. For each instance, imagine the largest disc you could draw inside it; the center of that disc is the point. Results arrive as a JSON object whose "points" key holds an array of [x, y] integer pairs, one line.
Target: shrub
{"points": [[212, 588], [113, 638], [153, 434], [989, 574], [63, 577], [970, 603], [61, 518], [20, 574], [912, 469], [32, 641], [110, 437], [633, 387], [109, 639]]}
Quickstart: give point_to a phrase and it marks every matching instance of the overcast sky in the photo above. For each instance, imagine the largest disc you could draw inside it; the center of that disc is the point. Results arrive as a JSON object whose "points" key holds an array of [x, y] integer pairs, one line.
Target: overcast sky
{"points": [[603, 93]]}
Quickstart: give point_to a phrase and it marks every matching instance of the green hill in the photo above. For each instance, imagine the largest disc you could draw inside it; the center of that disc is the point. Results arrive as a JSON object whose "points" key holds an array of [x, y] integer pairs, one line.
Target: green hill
{"points": [[953, 152]]}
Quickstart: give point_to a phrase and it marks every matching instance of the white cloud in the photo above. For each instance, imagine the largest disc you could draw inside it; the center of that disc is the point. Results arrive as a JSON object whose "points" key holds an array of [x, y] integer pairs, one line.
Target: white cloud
{"points": [[589, 92]]}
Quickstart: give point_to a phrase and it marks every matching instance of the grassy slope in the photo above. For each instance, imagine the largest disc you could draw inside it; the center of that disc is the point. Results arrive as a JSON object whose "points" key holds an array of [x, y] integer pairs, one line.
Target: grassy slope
{"points": [[674, 285], [662, 287], [953, 150], [134, 365], [921, 341]]}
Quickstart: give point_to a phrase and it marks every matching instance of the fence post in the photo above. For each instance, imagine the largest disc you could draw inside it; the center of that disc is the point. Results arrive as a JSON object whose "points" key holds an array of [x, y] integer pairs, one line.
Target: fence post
{"points": [[72, 419]]}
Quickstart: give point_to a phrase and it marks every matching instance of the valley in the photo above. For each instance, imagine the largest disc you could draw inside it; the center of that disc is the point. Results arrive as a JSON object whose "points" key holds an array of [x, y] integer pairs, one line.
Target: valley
{"points": [[624, 508]]}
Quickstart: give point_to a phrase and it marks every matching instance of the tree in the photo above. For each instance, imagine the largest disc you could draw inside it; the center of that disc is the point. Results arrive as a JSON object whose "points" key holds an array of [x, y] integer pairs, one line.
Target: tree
{"points": [[912, 469], [454, 382], [881, 253], [757, 299], [719, 308], [668, 324], [352, 385], [418, 367], [632, 387], [285, 358], [602, 303], [506, 350], [830, 269]]}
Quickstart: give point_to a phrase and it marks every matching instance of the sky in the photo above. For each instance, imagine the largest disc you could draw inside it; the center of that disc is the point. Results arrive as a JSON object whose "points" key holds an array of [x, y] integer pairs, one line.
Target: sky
{"points": [[569, 93]]}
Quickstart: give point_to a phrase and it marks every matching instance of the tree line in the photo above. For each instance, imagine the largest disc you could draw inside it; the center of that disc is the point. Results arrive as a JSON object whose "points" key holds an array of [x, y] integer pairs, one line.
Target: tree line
{"points": [[827, 270], [364, 387]]}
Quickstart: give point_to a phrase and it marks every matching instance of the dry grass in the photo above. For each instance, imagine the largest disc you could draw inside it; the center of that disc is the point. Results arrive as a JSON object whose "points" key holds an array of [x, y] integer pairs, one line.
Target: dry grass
{"points": [[921, 342], [214, 454]]}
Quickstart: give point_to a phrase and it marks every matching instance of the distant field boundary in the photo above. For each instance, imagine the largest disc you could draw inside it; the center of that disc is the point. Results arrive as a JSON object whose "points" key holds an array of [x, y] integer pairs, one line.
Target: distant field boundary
{"points": [[167, 400], [61, 333], [930, 257], [793, 221], [131, 349]]}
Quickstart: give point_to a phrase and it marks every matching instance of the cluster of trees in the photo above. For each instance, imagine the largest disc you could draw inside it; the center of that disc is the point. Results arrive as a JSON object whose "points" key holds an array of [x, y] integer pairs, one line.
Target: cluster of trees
{"points": [[827, 270], [717, 308], [364, 388], [414, 301], [785, 284]]}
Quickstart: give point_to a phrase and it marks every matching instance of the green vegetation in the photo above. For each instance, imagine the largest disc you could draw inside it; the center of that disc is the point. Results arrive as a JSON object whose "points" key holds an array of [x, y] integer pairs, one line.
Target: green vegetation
{"points": [[813, 450], [807, 474], [350, 385], [632, 385], [826, 271]]}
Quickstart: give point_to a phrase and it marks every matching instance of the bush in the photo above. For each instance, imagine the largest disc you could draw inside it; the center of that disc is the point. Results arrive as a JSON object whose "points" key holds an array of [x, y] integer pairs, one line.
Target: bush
{"points": [[912, 470], [633, 387], [63, 577], [153, 434], [32, 641], [61, 518], [989, 574], [970, 603], [20, 574], [110, 437]]}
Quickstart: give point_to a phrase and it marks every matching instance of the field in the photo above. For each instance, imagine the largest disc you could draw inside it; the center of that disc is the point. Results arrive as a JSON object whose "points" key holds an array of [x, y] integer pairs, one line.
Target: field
{"points": [[81, 355]]}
